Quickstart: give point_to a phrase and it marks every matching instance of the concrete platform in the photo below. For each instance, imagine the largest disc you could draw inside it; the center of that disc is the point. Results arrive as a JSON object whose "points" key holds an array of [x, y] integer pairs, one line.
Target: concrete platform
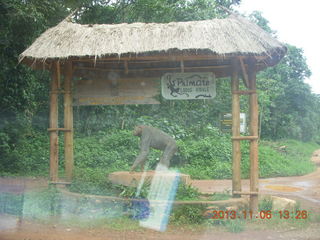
{"points": [[132, 179]]}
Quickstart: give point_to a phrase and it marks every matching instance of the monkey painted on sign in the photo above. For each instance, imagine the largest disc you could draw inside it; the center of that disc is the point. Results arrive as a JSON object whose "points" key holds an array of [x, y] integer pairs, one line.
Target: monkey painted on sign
{"points": [[157, 139]]}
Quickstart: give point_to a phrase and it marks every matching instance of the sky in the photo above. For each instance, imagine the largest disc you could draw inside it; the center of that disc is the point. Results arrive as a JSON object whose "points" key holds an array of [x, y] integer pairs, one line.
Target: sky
{"points": [[297, 23]]}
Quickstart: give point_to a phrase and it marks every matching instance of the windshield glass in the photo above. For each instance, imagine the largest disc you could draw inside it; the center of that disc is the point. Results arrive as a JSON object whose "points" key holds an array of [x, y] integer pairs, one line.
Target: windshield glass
{"points": [[161, 119]]}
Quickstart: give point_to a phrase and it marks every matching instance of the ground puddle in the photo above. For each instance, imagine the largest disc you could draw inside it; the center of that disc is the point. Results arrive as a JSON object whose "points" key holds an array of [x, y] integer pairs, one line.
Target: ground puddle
{"points": [[282, 188]]}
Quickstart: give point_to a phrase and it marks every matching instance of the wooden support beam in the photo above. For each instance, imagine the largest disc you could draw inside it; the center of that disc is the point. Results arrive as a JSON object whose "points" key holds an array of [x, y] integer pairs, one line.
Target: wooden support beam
{"points": [[164, 57], [254, 121], [59, 75], [153, 69], [68, 121], [244, 73], [53, 122], [236, 151]]}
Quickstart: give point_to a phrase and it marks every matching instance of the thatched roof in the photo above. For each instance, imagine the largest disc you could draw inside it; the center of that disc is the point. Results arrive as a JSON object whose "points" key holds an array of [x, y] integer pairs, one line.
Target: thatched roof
{"points": [[233, 36]]}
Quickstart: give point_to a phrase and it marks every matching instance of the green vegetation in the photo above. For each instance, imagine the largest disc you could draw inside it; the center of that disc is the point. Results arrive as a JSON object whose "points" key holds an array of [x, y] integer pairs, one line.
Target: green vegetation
{"points": [[235, 226], [92, 181], [188, 214], [265, 204], [282, 158], [205, 156]]}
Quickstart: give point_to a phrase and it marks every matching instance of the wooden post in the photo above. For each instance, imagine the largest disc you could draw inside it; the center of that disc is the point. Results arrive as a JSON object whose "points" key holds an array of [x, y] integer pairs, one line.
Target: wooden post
{"points": [[236, 151], [254, 123], [68, 121], [53, 122]]}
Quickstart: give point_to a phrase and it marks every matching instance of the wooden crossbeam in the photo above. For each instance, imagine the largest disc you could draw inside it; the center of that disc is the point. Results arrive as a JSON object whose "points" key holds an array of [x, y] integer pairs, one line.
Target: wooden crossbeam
{"points": [[245, 138], [246, 92], [59, 183], [245, 193], [59, 129]]}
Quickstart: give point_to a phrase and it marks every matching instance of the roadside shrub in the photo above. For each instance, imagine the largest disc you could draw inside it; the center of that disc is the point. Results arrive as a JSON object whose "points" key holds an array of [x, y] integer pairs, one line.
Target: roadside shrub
{"points": [[265, 204], [188, 214], [91, 181], [187, 192], [31, 155], [208, 157]]}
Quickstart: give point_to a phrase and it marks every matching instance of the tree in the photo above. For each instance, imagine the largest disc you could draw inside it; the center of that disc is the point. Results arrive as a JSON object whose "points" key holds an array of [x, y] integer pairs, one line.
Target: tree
{"points": [[288, 106]]}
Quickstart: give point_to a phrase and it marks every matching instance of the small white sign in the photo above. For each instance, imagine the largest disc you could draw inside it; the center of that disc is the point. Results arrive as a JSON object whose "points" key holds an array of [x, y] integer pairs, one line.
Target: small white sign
{"points": [[243, 123], [196, 85]]}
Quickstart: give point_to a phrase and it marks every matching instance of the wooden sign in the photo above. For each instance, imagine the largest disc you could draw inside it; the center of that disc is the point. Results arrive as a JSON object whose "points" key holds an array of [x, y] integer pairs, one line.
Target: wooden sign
{"points": [[188, 85], [116, 91]]}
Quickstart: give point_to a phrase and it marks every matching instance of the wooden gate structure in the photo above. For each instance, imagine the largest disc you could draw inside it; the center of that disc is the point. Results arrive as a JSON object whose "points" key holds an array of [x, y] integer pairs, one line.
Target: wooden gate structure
{"points": [[231, 47]]}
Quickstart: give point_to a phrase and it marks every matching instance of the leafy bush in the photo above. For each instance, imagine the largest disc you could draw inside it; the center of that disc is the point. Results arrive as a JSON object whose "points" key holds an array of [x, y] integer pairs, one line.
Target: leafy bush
{"points": [[208, 157], [266, 204], [187, 192], [188, 214], [132, 192], [92, 181], [30, 155], [110, 150]]}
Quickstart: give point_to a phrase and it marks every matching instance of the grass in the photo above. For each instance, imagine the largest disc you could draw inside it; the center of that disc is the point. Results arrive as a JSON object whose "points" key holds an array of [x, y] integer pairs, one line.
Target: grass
{"points": [[235, 226], [282, 158]]}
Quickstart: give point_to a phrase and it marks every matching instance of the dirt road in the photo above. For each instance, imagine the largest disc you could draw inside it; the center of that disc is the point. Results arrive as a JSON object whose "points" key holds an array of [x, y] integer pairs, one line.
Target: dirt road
{"points": [[305, 188]]}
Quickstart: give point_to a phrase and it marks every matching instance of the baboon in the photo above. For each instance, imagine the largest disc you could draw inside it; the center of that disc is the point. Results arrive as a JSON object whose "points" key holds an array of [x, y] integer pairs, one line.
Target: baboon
{"points": [[155, 138]]}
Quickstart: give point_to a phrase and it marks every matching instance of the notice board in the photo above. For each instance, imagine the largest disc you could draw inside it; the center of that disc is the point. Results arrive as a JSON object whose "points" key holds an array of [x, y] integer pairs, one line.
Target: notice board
{"points": [[120, 91]]}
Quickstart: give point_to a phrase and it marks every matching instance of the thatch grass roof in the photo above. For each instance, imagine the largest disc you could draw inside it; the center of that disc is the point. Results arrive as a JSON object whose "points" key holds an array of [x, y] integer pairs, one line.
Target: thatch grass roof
{"points": [[231, 36]]}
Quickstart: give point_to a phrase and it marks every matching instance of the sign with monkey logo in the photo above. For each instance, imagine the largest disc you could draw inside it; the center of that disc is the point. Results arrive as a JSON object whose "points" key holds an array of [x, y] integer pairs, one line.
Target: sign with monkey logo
{"points": [[196, 85]]}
